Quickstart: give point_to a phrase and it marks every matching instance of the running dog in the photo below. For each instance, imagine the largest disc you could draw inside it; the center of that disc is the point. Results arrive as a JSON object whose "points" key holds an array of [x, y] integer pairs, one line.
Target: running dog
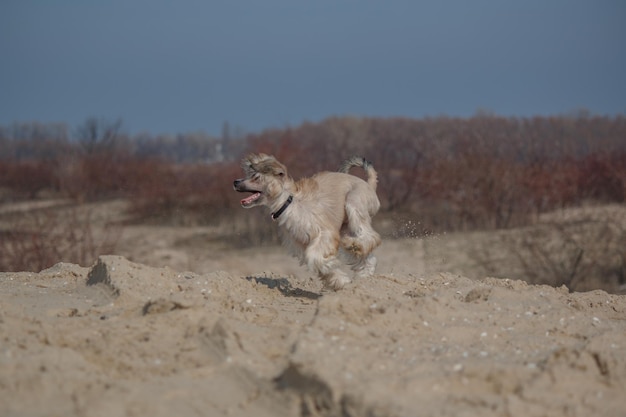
{"points": [[320, 216]]}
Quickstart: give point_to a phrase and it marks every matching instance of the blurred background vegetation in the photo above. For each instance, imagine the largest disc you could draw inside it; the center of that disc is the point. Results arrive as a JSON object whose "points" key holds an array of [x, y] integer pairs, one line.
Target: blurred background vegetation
{"points": [[436, 175]]}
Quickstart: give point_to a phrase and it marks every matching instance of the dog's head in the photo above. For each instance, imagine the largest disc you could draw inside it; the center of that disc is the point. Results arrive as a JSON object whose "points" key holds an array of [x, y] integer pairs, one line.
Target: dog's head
{"points": [[265, 179]]}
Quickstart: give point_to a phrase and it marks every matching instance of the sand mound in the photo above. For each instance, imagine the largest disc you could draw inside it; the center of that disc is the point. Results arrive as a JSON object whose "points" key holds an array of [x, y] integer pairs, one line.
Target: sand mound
{"points": [[122, 338]]}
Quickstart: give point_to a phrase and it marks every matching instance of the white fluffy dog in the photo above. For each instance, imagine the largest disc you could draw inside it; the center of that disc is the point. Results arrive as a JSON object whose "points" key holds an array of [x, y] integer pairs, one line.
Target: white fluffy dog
{"points": [[319, 215]]}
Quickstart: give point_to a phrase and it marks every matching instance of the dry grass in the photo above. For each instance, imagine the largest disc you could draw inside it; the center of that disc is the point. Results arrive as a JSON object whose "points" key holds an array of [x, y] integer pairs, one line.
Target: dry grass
{"points": [[583, 249], [36, 239]]}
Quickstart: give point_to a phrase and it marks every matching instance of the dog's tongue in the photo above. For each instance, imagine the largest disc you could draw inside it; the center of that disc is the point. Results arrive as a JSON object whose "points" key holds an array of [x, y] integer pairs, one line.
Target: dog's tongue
{"points": [[250, 199]]}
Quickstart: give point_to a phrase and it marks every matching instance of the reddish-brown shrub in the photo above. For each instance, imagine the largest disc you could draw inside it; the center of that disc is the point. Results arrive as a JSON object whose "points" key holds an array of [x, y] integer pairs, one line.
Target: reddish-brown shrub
{"points": [[24, 179], [599, 178]]}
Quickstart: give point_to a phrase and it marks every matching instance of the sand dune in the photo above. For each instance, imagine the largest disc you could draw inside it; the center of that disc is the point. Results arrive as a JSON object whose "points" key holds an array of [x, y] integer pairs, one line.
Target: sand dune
{"points": [[126, 339]]}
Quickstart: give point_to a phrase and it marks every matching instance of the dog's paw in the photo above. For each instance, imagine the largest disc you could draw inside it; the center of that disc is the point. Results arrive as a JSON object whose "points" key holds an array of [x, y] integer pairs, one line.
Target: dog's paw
{"points": [[336, 280], [354, 249], [367, 268]]}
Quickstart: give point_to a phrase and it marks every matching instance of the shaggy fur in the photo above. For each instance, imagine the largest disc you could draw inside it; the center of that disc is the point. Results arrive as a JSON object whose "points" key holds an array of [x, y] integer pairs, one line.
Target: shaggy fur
{"points": [[319, 216]]}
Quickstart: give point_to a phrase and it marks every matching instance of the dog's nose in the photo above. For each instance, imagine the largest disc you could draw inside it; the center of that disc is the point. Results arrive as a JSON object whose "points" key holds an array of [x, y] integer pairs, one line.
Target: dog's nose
{"points": [[236, 183]]}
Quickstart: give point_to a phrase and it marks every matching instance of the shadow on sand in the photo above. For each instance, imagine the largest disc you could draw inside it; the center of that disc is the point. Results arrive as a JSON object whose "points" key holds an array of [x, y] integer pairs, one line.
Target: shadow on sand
{"points": [[284, 286]]}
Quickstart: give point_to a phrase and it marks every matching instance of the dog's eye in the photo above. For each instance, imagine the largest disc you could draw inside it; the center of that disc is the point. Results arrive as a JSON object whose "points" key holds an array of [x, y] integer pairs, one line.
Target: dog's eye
{"points": [[256, 177]]}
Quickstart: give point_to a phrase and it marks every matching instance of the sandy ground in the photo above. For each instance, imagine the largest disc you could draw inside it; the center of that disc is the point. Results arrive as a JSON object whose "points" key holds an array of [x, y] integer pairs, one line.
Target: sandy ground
{"points": [[183, 324], [249, 333]]}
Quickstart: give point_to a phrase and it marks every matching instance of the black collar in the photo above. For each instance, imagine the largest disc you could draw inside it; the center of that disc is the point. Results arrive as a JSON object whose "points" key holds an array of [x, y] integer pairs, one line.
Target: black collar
{"points": [[276, 214]]}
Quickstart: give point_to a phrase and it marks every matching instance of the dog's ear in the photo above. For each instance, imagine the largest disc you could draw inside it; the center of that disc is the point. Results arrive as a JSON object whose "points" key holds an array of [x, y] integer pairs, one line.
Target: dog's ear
{"points": [[280, 170], [247, 163], [254, 163], [271, 166], [264, 164]]}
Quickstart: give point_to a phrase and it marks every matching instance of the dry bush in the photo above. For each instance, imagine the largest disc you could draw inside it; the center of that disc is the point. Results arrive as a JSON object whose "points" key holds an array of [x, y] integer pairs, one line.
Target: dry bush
{"points": [[480, 192], [37, 239], [249, 228], [26, 179], [602, 177], [583, 252], [98, 176], [183, 194]]}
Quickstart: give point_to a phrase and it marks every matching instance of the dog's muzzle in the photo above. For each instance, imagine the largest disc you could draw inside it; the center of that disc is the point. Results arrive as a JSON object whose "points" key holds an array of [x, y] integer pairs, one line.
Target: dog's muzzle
{"points": [[239, 186]]}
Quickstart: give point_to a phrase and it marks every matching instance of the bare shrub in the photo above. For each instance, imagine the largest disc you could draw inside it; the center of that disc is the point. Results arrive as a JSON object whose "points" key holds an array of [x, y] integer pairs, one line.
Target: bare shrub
{"points": [[250, 228], [26, 179], [37, 239], [182, 194], [480, 192], [601, 177], [583, 253]]}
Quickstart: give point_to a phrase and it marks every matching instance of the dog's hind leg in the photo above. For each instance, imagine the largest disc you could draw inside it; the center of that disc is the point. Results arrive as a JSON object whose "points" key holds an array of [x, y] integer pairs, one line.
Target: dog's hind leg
{"points": [[321, 257], [359, 238]]}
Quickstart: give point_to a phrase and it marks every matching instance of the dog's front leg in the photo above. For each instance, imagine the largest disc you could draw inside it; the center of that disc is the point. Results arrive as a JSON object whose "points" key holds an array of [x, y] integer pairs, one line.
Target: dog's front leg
{"points": [[321, 257]]}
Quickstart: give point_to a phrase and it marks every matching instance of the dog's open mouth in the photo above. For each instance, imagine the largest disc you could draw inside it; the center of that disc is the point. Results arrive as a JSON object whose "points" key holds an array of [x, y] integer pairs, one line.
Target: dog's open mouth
{"points": [[249, 200]]}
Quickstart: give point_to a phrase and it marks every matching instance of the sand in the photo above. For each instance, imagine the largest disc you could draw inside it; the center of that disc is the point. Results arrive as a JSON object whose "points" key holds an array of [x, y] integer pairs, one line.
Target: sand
{"points": [[261, 338]]}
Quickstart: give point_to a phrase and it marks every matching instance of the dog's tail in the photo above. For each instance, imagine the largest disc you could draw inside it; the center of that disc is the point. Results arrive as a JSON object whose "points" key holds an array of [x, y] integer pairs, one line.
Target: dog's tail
{"points": [[357, 161]]}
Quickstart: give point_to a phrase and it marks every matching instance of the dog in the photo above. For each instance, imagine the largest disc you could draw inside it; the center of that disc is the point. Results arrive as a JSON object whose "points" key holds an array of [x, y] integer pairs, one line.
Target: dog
{"points": [[322, 217]]}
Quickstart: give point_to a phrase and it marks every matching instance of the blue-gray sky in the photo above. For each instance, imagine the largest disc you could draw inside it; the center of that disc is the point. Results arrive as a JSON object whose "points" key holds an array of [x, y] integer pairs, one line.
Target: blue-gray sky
{"points": [[190, 65]]}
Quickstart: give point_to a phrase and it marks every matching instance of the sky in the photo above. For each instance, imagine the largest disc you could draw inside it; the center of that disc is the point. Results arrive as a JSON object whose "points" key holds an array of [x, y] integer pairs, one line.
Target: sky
{"points": [[167, 67]]}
